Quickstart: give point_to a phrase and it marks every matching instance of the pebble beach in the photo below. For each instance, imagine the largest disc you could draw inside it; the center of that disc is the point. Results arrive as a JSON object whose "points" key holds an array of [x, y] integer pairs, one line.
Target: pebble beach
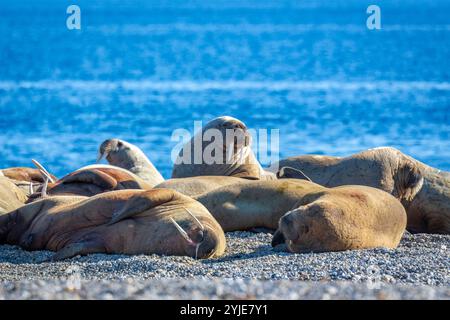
{"points": [[251, 269]]}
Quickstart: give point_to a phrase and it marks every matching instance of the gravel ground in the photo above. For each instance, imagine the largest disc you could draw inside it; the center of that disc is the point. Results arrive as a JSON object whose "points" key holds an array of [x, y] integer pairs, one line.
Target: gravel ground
{"points": [[251, 268]]}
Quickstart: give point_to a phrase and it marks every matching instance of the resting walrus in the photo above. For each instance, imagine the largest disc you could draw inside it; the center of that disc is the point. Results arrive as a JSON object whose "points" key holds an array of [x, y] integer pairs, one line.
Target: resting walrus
{"points": [[27, 179], [92, 180], [11, 196], [124, 222], [424, 191], [128, 156], [326, 219], [229, 153], [195, 186]]}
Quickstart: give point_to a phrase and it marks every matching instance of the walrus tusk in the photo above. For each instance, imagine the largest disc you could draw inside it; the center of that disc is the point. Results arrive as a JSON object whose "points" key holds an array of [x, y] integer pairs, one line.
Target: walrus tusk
{"points": [[182, 232], [195, 218], [43, 170], [44, 187], [31, 189]]}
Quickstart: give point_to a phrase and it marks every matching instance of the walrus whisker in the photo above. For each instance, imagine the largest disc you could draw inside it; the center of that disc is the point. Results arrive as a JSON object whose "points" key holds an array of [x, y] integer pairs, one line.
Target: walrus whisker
{"points": [[195, 218], [43, 170], [182, 232]]}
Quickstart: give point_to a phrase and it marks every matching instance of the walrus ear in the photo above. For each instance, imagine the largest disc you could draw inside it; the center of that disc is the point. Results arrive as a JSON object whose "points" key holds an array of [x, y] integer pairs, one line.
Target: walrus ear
{"points": [[278, 238], [142, 202], [289, 172], [92, 176]]}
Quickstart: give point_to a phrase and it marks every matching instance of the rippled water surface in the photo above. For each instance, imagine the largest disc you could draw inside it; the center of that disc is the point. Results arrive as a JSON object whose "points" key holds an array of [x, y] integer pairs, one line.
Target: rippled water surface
{"points": [[137, 70]]}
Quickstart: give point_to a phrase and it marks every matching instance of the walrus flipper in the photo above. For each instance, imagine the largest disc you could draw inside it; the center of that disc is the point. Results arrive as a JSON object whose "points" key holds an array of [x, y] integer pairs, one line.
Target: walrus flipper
{"points": [[142, 202], [93, 176], [289, 172], [78, 248]]}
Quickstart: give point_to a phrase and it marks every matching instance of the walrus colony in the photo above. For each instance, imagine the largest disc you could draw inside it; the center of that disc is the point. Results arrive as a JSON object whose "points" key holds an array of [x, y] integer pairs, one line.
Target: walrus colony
{"points": [[313, 203]]}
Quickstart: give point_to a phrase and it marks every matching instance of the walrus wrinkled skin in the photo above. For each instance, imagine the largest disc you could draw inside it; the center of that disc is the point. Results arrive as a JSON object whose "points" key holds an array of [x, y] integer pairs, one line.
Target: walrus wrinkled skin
{"points": [[92, 180], [195, 186], [128, 156], [315, 218], [121, 222], [424, 191], [233, 158], [11, 196]]}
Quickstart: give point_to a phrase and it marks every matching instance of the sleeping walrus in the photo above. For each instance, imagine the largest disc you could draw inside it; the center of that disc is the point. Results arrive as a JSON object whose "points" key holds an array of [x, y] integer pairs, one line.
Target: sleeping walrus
{"points": [[315, 218], [128, 156], [92, 180], [27, 179], [221, 148], [124, 222], [424, 191]]}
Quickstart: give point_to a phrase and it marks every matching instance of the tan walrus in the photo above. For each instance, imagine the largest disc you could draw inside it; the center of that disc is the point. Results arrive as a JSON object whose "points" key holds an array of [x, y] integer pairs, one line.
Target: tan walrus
{"points": [[128, 156], [195, 186], [11, 196], [92, 180], [27, 179], [124, 222], [424, 191], [326, 219], [221, 148]]}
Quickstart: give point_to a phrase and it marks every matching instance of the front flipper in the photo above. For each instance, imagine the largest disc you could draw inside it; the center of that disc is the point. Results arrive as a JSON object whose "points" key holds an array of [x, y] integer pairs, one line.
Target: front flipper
{"points": [[78, 248]]}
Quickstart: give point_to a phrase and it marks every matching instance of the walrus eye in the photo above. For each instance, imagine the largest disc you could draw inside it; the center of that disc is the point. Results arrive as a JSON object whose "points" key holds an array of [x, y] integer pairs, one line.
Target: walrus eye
{"points": [[119, 144]]}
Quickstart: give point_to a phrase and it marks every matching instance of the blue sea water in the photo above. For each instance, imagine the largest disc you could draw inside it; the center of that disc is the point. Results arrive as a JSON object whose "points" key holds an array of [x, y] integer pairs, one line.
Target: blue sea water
{"points": [[138, 70]]}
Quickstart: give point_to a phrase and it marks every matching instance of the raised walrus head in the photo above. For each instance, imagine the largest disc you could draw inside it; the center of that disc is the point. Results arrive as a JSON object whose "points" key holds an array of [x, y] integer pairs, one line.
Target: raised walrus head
{"points": [[221, 148], [349, 217], [128, 156], [159, 221], [92, 180]]}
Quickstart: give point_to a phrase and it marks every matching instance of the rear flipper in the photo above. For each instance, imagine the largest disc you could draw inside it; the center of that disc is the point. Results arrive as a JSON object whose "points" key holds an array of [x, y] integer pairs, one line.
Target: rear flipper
{"points": [[78, 248]]}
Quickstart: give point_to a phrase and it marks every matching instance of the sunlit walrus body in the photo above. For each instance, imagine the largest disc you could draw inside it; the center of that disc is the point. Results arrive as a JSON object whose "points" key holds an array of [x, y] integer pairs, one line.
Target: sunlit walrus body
{"points": [[27, 179], [11, 197], [125, 222], [128, 156], [330, 219], [424, 191], [95, 179], [221, 148], [195, 186]]}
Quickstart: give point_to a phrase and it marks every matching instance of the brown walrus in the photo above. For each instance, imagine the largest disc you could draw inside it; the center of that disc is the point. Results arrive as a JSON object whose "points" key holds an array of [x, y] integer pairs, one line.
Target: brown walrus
{"points": [[124, 222], [92, 180], [11, 196], [315, 218], [229, 153], [27, 179], [424, 191], [128, 156], [195, 186]]}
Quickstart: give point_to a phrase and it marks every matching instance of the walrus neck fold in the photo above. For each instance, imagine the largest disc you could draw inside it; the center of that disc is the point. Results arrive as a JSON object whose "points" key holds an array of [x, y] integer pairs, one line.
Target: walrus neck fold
{"points": [[430, 208]]}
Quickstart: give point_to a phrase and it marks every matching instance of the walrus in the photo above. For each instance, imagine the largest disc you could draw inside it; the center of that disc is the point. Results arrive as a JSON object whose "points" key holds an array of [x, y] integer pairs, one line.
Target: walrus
{"points": [[424, 191], [313, 217], [92, 180], [229, 154], [11, 196], [27, 179], [128, 156], [195, 186], [131, 222]]}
